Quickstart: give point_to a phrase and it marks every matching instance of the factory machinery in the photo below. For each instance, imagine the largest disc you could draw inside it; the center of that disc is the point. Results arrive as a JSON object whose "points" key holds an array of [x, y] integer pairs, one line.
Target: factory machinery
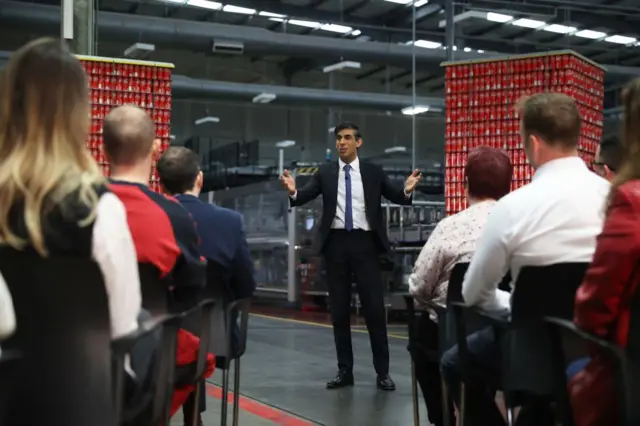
{"points": [[281, 239]]}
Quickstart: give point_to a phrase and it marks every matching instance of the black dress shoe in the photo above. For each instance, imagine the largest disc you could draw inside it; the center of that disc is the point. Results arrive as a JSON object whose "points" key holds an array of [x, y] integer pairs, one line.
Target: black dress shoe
{"points": [[385, 383], [342, 379]]}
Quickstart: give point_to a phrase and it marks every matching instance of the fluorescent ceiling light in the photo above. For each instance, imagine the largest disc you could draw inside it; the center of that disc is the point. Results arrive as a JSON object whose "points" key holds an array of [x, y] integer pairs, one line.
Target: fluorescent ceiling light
{"points": [[427, 44], [205, 4], [237, 9], [415, 110], [467, 49], [498, 17], [331, 129], [420, 3], [341, 65], [400, 1], [176, 1], [139, 50], [278, 19], [285, 144], [528, 23], [207, 119], [271, 15], [264, 98], [308, 24], [395, 149], [559, 29], [620, 39], [356, 33], [343, 29], [590, 34]]}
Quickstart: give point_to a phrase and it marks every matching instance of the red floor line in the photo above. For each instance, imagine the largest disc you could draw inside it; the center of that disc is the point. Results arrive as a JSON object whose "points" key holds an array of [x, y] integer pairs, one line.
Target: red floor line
{"points": [[258, 409]]}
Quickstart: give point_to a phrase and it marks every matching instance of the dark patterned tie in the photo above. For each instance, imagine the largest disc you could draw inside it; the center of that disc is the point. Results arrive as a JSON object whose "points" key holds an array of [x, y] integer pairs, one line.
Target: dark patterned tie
{"points": [[348, 211]]}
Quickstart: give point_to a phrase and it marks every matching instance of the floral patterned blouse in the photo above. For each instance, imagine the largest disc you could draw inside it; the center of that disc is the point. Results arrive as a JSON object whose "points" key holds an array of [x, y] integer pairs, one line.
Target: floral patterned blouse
{"points": [[452, 241]]}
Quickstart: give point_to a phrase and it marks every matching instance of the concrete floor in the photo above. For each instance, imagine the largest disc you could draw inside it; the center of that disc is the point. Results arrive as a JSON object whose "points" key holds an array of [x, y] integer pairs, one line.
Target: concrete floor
{"points": [[288, 362]]}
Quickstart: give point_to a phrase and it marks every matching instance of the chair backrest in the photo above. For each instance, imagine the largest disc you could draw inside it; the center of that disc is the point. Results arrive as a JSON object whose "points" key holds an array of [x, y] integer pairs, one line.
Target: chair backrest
{"points": [[154, 288], [454, 288], [9, 366], [64, 335]]}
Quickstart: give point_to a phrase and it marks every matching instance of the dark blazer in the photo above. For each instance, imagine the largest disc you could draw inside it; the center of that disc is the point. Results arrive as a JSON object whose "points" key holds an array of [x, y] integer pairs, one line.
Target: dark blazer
{"points": [[376, 184], [223, 240]]}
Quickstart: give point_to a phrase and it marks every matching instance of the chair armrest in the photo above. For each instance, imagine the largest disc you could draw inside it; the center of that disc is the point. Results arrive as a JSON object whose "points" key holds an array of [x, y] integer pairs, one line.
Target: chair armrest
{"points": [[584, 335], [123, 344]]}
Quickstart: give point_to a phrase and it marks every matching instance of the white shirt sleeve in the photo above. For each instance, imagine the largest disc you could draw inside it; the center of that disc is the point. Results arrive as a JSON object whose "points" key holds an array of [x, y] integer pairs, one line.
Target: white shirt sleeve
{"points": [[294, 195], [114, 251], [7, 314], [489, 264]]}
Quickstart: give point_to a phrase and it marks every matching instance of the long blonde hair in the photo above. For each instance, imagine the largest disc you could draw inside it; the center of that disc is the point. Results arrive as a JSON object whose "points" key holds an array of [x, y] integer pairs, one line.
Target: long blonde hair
{"points": [[630, 168], [44, 122]]}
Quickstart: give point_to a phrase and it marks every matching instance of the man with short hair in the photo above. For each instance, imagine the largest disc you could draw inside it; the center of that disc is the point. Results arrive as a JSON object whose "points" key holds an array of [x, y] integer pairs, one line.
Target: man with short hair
{"points": [[221, 230], [163, 232], [554, 219], [608, 157]]}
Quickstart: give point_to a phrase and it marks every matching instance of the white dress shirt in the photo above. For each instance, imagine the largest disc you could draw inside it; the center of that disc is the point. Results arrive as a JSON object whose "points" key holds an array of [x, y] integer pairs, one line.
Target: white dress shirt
{"points": [[358, 211], [7, 314], [115, 253], [554, 219]]}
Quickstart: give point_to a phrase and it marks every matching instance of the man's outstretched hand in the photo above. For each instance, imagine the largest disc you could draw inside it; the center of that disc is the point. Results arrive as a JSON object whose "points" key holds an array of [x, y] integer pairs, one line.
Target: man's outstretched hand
{"points": [[288, 182], [412, 181]]}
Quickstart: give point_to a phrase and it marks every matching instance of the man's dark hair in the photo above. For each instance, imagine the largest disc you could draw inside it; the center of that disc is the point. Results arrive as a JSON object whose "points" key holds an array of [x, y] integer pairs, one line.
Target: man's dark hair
{"points": [[611, 152], [178, 169], [552, 117], [488, 172], [347, 126], [128, 134]]}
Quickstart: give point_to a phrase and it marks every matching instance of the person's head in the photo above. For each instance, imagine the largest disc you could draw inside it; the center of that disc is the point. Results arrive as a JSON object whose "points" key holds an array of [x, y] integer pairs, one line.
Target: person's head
{"points": [[549, 127], [488, 174], [348, 141], [630, 165], [179, 171], [44, 124], [608, 157], [129, 142]]}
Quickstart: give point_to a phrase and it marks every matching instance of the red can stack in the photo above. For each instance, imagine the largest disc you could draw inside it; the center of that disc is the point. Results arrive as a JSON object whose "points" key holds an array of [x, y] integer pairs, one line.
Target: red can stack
{"points": [[114, 82], [480, 102]]}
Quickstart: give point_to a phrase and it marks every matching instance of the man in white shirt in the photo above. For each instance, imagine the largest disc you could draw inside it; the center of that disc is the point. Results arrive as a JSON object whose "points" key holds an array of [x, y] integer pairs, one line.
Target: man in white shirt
{"points": [[352, 235], [554, 219]]}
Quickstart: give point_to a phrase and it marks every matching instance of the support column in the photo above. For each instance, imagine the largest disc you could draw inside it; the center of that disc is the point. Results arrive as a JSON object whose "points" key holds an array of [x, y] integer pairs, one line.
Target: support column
{"points": [[79, 18]]}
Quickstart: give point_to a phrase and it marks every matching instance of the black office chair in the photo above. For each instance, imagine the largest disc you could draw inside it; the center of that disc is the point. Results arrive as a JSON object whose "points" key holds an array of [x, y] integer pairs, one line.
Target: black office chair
{"points": [[9, 365], [64, 335], [228, 315]]}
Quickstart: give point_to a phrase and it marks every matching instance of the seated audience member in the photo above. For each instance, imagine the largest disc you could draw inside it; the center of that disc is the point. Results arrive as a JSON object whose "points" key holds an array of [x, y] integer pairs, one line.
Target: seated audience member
{"points": [[163, 232], [222, 237], [488, 175], [54, 200], [608, 157], [603, 302], [554, 219]]}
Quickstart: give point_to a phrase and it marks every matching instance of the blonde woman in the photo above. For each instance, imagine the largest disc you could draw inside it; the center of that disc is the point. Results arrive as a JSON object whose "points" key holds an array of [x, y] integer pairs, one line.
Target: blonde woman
{"points": [[52, 196]]}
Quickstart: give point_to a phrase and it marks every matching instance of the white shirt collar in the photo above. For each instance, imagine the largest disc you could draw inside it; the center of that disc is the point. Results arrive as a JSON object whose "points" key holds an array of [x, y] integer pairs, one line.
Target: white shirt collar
{"points": [[355, 164], [560, 164]]}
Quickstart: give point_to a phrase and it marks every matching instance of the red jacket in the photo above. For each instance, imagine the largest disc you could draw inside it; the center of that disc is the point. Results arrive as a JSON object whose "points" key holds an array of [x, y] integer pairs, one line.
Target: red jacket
{"points": [[602, 305]]}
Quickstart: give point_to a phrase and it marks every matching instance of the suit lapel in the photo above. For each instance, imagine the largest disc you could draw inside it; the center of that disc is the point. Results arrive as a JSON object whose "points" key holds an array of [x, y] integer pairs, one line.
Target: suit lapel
{"points": [[366, 181]]}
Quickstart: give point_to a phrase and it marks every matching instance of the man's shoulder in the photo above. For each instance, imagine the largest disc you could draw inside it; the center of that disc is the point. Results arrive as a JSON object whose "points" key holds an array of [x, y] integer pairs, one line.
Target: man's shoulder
{"points": [[225, 213], [170, 205]]}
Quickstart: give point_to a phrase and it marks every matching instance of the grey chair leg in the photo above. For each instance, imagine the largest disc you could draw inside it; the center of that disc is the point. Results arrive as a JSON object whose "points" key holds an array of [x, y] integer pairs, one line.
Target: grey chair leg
{"points": [[195, 412], [446, 421], [414, 393], [236, 392], [461, 409], [225, 397]]}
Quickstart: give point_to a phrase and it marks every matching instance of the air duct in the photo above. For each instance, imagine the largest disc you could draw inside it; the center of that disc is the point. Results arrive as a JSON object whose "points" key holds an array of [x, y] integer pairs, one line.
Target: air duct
{"points": [[185, 87]]}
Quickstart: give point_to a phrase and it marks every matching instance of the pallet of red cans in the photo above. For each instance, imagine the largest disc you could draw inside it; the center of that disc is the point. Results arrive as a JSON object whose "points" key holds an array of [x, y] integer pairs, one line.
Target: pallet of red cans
{"points": [[114, 82], [481, 98]]}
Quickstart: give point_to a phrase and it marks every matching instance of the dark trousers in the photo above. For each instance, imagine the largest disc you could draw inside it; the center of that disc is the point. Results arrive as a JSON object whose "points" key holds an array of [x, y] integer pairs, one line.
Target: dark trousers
{"points": [[424, 341], [356, 253], [481, 380]]}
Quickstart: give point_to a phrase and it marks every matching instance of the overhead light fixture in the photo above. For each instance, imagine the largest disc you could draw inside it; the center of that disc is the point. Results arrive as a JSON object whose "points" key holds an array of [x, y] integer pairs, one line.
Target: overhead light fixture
{"points": [[619, 39], [301, 23], [205, 4], [355, 33], [395, 149], [590, 34], [271, 15], [528, 23], [335, 28], [400, 1], [467, 49], [415, 110], [207, 119], [559, 29], [498, 17], [237, 9], [139, 50], [420, 3], [285, 144], [332, 129], [427, 44], [264, 98], [341, 65]]}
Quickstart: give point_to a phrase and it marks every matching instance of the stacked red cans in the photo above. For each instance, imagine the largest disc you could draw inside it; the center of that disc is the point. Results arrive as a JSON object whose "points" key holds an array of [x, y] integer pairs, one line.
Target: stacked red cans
{"points": [[480, 103], [114, 82]]}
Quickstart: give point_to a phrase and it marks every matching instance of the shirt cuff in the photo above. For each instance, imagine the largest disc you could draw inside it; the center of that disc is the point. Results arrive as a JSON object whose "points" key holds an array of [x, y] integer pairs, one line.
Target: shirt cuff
{"points": [[294, 196], [407, 194]]}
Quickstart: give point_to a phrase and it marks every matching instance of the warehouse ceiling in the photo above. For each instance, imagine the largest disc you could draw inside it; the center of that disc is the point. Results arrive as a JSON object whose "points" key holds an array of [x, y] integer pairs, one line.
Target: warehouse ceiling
{"points": [[606, 31]]}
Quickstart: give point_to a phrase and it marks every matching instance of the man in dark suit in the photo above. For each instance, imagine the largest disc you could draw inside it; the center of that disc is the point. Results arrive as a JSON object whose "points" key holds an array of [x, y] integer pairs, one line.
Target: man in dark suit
{"points": [[352, 235], [221, 231]]}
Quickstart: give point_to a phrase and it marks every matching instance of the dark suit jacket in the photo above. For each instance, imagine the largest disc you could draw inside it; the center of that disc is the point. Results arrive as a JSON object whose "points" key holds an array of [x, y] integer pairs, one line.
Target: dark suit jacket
{"points": [[223, 240], [376, 184]]}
